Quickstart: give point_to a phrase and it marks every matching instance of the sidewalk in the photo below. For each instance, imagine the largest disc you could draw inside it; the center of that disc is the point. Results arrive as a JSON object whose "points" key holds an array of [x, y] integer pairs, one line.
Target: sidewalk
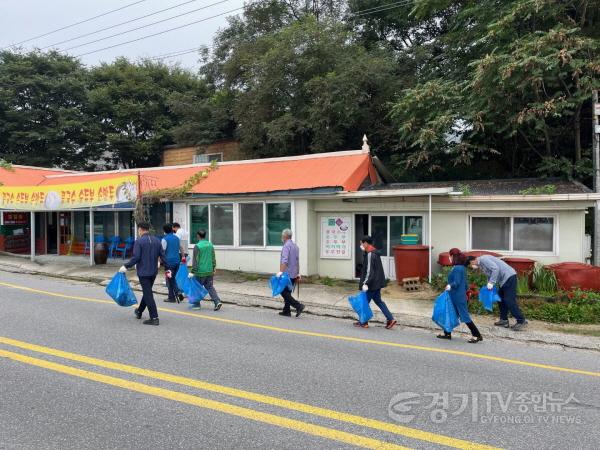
{"points": [[410, 309]]}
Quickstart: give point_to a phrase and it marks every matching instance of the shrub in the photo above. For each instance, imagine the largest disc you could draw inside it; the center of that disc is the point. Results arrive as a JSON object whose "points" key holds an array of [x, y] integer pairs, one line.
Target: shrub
{"points": [[544, 280]]}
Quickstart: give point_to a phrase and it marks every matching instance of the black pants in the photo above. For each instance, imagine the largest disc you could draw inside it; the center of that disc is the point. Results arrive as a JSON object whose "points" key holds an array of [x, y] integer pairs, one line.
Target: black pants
{"points": [[289, 301], [148, 296], [508, 295]]}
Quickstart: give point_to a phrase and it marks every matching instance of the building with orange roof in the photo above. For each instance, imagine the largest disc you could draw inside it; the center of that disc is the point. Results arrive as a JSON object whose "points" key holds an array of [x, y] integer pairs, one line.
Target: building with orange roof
{"points": [[328, 200]]}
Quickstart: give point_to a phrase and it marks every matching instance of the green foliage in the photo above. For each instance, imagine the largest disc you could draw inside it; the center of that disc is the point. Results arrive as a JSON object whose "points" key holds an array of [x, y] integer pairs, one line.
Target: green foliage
{"points": [[6, 165], [523, 285], [544, 280], [327, 281], [547, 189], [465, 189]]}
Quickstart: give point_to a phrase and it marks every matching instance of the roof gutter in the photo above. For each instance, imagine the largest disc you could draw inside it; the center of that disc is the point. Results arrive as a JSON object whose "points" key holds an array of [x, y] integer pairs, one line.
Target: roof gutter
{"points": [[592, 196], [385, 193]]}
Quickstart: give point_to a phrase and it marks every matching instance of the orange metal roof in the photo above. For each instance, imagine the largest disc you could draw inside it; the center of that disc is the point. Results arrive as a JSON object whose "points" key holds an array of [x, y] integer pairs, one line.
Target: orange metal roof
{"points": [[346, 170], [27, 176]]}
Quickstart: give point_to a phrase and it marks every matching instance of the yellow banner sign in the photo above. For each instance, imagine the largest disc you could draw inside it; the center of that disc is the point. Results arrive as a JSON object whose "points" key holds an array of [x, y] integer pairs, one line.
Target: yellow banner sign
{"points": [[90, 194]]}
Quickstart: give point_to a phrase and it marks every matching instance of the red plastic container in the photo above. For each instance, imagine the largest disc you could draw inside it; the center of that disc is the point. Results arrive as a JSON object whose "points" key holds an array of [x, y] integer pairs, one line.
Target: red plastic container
{"points": [[411, 261], [523, 266], [444, 259], [573, 275]]}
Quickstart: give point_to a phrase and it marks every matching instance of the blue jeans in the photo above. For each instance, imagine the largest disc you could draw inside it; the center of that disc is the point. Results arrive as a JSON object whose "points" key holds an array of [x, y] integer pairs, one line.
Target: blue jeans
{"points": [[376, 297], [171, 282], [508, 295]]}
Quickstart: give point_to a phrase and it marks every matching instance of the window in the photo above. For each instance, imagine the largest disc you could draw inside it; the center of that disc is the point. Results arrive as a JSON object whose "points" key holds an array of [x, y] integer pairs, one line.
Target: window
{"points": [[252, 230], [396, 230], [490, 233], [379, 233], [221, 224], [199, 221], [104, 224], [81, 226], [513, 234], [534, 234], [279, 217], [125, 224]]}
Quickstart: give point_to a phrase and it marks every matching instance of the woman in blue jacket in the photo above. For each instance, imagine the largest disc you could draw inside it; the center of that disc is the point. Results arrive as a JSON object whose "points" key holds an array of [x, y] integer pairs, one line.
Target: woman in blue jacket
{"points": [[457, 288]]}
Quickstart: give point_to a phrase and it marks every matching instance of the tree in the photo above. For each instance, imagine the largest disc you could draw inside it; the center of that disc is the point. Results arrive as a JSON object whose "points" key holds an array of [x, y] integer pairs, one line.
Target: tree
{"points": [[133, 103], [516, 78], [42, 101]]}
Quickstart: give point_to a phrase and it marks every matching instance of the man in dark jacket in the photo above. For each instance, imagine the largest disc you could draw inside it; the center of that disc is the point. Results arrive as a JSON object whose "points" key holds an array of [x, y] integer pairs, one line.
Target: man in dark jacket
{"points": [[147, 250], [372, 280]]}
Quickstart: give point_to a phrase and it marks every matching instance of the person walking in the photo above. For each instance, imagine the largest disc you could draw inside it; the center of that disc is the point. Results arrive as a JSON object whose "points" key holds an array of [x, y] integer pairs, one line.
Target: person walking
{"points": [[171, 247], [372, 280], [290, 262], [504, 277], [457, 288], [147, 251], [184, 239], [204, 264]]}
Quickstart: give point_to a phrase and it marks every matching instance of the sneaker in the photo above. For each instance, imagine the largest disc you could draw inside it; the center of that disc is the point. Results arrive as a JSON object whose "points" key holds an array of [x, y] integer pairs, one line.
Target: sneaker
{"points": [[151, 321], [502, 323], [138, 314], [390, 324], [196, 307], [170, 300], [444, 336], [299, 310], [519, 326], [285, 314], [361, 325], [180, 297], [218, 306]]}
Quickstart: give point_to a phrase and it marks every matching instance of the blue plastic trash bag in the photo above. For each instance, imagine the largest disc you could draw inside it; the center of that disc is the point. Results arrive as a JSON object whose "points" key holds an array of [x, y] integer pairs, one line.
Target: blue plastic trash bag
{"points": [[120, 291], [194, 290], [182, 276], [444, 313], [278, 284], [488, 297], [360, 305]]}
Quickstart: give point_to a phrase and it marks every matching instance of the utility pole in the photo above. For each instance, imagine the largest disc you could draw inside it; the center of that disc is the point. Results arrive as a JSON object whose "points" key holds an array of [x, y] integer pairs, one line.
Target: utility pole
{"points": [[596, 156]]}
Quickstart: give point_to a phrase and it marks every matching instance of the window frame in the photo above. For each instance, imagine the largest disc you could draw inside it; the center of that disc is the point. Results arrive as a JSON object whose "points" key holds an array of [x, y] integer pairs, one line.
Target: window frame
{"points": [[237, 222], [512, 217], [424, 237]]}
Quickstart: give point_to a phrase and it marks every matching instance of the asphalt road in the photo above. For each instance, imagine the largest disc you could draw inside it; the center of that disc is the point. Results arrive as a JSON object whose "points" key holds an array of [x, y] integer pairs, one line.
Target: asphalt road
{"points": [[248, 378]]}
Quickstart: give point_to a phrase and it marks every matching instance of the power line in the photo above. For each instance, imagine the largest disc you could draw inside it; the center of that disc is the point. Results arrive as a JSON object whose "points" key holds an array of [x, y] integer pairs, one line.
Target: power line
{"points": [[145, 26], [73, 24], [160, 32], [118, 24], [363, 12]]}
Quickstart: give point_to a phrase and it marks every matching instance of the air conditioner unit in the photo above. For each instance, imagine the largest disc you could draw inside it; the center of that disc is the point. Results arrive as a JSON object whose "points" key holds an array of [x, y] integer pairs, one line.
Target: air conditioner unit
{"points": [[208, 157]]}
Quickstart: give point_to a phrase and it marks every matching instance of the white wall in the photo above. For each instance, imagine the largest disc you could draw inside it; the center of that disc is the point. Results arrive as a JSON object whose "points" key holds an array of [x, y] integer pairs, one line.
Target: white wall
{"points": [[450, 225]]}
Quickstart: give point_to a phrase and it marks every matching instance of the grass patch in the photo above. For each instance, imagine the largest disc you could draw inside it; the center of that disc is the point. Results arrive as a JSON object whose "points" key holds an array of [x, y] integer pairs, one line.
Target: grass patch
{"points": [[327, 281], [579, 331], [251, 277]]}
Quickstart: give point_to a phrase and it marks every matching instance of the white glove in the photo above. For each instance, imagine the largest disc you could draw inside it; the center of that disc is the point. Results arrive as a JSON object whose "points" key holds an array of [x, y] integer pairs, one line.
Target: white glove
{"points": [[448, 287], [490, 286], [122, 269], [279, 274], [365, 288], [190, 275]]}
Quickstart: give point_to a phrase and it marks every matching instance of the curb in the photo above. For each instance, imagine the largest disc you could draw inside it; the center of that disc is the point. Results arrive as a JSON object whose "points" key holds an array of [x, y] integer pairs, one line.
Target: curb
{"points": [[316, 309]]}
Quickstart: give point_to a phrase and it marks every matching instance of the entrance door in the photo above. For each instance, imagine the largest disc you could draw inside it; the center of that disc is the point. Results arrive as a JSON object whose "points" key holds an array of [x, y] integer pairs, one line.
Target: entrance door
{"points": [[387, 231], [65, 233], [52, 233], [361, 229]]}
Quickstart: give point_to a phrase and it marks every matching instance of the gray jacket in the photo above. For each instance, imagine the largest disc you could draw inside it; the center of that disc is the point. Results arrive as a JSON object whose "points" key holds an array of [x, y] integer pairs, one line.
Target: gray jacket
{"points": [[497, 271]]}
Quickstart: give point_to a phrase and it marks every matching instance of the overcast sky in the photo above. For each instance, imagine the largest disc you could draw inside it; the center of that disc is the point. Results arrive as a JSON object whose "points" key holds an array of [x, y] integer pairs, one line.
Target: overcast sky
{"points": [[25, 19]]}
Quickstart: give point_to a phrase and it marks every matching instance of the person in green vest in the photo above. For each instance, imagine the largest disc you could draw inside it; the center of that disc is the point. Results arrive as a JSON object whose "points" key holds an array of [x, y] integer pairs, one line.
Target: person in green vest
{"points": [[204, 264]]}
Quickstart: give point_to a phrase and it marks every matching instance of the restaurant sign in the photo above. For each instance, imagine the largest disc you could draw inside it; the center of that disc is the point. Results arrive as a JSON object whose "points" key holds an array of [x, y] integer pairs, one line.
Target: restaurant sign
{"points": [[107, 192]]}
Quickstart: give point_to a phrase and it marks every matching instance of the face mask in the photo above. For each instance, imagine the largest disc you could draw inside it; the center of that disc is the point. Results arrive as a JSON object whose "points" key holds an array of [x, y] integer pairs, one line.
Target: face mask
{"points": [[362, 247]]}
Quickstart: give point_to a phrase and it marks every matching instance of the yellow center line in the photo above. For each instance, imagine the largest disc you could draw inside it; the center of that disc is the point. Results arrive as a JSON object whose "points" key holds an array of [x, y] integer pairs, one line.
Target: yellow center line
{"points": [[332, 336], [233, 392], [246, 413]]}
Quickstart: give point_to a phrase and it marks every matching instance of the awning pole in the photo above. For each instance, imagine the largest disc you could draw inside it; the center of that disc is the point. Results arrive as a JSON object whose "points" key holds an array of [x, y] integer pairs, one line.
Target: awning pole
{"points": [[430, 238], [32, 235], [91, 237]]}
